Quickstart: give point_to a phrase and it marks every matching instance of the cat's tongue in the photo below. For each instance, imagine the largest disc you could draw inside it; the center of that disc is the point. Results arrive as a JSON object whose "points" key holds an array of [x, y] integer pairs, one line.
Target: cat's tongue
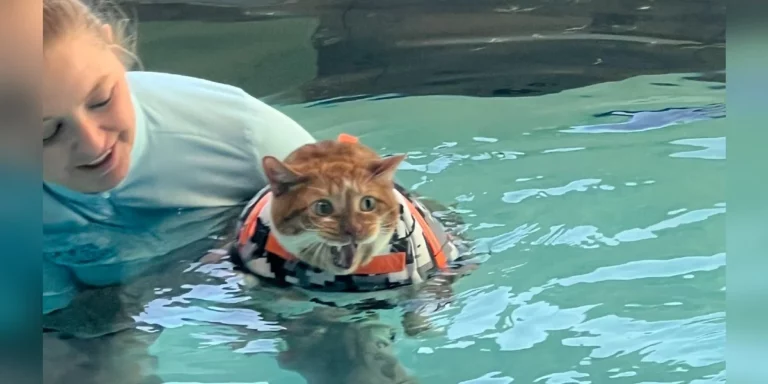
{"points": [[345, 256]]}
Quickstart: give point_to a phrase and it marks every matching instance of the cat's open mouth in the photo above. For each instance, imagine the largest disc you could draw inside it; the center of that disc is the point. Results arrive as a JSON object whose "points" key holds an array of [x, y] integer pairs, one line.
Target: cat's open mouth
{"points": [[344, 256]]}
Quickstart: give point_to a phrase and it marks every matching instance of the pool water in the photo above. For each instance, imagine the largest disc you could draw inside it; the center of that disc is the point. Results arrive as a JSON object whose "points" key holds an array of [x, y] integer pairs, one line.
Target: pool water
{"points": [[598, 214]]}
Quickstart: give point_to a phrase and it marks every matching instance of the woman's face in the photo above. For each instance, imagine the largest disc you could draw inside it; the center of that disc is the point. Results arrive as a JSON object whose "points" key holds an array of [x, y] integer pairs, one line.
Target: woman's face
{"points": [[88, 117]]}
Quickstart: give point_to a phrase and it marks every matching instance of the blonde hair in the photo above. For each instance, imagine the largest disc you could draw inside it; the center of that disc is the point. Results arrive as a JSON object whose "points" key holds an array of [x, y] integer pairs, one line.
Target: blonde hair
{"points": [[62, 17]]}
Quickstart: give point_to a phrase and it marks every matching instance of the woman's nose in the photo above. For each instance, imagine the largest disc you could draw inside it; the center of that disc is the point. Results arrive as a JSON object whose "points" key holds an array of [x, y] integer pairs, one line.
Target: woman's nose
{"points": [[91, 139]]}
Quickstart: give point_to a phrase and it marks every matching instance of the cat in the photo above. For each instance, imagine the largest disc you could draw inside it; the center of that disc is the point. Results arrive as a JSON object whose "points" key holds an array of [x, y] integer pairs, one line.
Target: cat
{"points": [[333, 204], [332, 218]]}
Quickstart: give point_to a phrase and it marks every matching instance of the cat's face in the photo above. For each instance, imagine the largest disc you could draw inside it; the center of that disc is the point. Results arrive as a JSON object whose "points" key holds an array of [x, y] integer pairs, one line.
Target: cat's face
{"points": [[333, 204]]}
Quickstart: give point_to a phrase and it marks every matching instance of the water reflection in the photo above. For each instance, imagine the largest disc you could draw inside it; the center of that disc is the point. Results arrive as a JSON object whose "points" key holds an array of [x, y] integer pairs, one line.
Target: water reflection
{"points": [[321, 343]]}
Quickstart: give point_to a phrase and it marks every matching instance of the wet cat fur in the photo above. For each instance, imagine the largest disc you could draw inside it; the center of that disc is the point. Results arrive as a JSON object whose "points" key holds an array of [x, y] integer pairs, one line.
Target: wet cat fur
{"points": [[333, 204]]}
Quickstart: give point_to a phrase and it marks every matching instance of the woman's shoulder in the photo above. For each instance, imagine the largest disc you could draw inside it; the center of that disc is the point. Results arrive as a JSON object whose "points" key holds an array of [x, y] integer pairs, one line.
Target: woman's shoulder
{"points": [[177, 81], [202, 116], [198, 106], [167, 93], [185, 90], [179, 104]]}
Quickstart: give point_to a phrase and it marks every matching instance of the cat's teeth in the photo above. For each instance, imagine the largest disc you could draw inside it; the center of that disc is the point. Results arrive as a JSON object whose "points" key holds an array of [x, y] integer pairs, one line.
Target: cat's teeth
{"points": [[344, 256]]}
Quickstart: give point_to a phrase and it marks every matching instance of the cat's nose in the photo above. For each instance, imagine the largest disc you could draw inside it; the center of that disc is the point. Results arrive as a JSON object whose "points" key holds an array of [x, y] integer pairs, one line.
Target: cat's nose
{"points": [[352, 230]]}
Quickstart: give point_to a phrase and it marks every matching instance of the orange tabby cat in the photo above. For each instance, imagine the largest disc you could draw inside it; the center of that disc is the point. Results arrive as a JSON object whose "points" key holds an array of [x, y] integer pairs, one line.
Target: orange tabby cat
{"points": [[333, 219], [333, 204]]}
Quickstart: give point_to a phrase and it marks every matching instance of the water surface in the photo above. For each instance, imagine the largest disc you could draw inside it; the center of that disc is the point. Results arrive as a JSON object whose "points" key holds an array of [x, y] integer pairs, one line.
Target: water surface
{"points": [[604, 249]]}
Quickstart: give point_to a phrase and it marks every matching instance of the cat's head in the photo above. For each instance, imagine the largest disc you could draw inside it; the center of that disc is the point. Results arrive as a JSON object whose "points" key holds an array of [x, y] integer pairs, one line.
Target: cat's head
{"points": [[333, 203]]}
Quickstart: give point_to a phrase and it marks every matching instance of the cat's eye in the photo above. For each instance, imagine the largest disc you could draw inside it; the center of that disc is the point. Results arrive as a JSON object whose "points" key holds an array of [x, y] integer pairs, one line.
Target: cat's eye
{"points": [[367, 204], [322, 207]]}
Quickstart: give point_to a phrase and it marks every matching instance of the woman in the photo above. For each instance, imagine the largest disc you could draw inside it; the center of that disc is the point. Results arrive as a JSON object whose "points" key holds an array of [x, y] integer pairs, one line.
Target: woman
{"points": [[117, 143]]}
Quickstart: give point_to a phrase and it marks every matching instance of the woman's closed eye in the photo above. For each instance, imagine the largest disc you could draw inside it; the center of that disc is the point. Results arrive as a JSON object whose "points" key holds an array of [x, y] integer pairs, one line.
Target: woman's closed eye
{"points": [[52, 130], [102, 103]]}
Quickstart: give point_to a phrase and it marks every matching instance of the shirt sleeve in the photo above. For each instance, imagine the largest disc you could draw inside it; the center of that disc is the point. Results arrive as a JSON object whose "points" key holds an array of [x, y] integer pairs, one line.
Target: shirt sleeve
{"points": [[272, 133], [58, 286]]}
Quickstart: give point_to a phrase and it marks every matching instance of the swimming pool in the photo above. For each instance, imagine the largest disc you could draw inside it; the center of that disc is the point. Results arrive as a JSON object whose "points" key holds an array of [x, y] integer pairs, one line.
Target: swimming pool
{"points": [[596, 203]]}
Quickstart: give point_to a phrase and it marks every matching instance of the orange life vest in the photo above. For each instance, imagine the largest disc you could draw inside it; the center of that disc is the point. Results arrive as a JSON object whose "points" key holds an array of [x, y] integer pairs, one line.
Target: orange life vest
{"points": [[418, 248]]}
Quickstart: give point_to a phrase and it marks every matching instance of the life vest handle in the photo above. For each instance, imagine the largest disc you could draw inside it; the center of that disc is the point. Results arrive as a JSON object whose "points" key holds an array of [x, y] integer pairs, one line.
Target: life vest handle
{"points": [[347, 138], [429, 236]]}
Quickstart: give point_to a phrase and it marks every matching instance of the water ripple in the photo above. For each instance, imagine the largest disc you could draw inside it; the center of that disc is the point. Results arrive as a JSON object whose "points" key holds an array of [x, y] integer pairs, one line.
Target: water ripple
{"points": [[489, 378], [637, 234], [479, 314], [485, 139], [574, 186], [214, 340], [584, 236], [590, 236], [504, 241], [697, 341], [711, 379], [508, 155], [159, 312], [209, 382], [634, 270], [714, 148], [643, 269], [566, 149], [569, 377], [260, 346], [531, 323], [435, 166], [217, 293], [640, 121]]}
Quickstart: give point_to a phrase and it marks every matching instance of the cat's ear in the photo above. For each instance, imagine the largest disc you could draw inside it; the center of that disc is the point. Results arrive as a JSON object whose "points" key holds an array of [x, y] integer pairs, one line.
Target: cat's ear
{"points": [[281, 178], [385, 168]]}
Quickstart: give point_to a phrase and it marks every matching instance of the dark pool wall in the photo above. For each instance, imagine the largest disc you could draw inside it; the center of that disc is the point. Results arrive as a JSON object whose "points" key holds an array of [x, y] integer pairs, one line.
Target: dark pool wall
{"points": [[300, 51]]}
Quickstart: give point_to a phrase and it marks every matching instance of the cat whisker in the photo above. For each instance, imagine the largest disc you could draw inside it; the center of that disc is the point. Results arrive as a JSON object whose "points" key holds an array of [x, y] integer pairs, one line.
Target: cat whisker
{"points": [[316, 253], [319, 251], [387, 228]]}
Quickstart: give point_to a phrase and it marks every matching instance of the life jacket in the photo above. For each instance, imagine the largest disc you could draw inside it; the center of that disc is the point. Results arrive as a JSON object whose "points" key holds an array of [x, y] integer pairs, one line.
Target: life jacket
{"points": [[419, 247]]}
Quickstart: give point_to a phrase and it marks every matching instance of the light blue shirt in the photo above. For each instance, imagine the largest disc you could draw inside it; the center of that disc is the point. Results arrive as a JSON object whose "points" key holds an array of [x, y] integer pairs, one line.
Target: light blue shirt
{"points": [[198, 144]]}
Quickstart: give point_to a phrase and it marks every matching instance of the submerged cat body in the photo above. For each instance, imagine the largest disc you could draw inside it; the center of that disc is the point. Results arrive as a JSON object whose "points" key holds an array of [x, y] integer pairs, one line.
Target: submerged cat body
{"points": [[339, 224]]}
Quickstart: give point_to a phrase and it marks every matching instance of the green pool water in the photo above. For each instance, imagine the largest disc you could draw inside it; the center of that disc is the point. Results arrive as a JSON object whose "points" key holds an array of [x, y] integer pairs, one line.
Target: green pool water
{"points": [[598, 214]]}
